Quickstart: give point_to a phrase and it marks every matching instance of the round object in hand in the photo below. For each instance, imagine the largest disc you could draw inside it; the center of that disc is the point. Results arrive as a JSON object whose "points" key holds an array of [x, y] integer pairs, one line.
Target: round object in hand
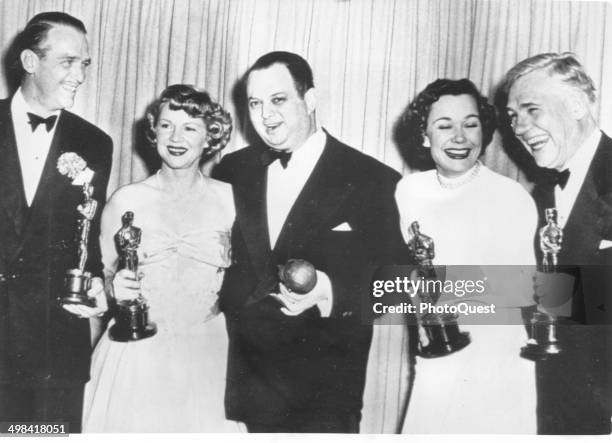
{"points": [[298, 275]]}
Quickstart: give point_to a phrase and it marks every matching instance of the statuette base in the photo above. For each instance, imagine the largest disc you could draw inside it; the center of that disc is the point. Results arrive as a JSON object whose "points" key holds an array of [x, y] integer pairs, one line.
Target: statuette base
{"points": [[76, 284], [119, 334], [132, 322], [444, 339], [543, 343]]}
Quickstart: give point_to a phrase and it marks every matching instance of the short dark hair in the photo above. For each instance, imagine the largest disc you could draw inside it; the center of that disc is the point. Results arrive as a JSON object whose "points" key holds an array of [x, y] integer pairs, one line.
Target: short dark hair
{"points": [[34, 34], [298, 68], [196, 104], [412, 124]]}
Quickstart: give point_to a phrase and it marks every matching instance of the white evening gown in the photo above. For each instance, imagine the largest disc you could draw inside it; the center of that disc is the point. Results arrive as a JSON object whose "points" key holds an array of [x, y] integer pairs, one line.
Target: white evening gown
{"points": [[175, 380], [388, 379], [486, 387]]}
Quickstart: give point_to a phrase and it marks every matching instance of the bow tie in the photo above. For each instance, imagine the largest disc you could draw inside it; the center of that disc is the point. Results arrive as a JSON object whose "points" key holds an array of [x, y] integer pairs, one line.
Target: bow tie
{"points": [[270, 155], [36, 120], [561, 178]]}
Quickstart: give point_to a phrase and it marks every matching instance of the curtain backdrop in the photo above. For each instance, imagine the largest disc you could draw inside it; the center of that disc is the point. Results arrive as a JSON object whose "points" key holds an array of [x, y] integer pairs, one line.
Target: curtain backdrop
{"points": [[370, 58]]}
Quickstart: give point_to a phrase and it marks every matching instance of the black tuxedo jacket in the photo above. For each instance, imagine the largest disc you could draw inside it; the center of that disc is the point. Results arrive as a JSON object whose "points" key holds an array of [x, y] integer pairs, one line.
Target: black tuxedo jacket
{"points": [[575, 389], [40, 343], [305, 365]]}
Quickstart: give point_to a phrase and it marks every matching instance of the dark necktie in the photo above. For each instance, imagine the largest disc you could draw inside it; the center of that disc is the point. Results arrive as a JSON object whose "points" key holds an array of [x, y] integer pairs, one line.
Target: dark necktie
{"points": [[36, 120], [546, 193], [562, 177], [270, 155]]}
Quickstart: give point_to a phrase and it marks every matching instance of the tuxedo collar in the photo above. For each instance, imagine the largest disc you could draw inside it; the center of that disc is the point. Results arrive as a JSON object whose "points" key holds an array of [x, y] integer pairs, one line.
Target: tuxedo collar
{"points": [[12, 197], [20, 108], [324, 191], [601, 167], [589, 218]]}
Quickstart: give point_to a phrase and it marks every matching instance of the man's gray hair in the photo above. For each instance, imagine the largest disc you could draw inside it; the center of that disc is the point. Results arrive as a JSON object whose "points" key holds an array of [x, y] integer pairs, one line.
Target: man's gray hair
{"points": [[564, 65]]}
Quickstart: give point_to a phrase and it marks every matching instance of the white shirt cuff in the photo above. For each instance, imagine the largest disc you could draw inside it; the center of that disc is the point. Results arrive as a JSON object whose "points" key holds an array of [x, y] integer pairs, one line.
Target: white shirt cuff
{"points": [[325, 305]]}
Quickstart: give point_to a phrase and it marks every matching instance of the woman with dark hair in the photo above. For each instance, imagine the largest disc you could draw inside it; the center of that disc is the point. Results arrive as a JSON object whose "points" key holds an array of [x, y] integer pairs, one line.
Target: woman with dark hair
{"points": [[173, 381], [474, 217]]}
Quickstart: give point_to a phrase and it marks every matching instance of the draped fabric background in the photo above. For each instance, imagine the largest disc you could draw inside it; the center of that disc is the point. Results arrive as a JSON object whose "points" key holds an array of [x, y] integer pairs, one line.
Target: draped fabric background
{"points": [[370, 58]]}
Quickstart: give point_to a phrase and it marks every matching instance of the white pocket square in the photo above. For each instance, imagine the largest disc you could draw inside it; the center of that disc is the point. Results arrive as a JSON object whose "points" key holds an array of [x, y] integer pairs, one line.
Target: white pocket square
{"points": [[605, 244], [343, 227]]}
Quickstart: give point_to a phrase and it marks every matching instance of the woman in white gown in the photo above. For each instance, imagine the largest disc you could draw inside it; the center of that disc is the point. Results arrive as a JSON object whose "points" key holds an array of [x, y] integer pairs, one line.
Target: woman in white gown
{"points": [[475, 217], [175, 380]]}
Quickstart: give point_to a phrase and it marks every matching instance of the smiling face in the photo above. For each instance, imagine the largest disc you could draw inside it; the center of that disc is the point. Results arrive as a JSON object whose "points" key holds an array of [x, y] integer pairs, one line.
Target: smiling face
{"points": [[543, 118], [454, 134], [181, 139], [282, 118], [51, 81]]}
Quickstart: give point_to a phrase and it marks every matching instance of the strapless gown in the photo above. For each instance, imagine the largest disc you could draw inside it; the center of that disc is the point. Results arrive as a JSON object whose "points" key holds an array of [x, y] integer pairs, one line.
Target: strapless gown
{"points": [[175, 380]]}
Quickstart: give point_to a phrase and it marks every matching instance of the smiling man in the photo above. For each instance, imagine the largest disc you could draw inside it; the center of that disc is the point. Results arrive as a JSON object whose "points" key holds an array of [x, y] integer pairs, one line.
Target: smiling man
{"points": [[44, 349], [297, 361], [550, 101]]}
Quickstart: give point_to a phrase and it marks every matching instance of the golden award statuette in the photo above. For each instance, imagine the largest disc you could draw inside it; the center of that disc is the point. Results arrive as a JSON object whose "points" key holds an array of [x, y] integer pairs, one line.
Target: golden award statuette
{"points": [[131, 316], [543, 341], [441, 330], [77, 281]]}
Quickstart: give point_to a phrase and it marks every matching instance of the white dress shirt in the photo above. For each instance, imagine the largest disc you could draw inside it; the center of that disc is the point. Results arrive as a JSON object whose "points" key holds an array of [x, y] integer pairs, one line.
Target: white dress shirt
{"points": [[578, 166], [285, 184], [284, 187], [32, 147]]}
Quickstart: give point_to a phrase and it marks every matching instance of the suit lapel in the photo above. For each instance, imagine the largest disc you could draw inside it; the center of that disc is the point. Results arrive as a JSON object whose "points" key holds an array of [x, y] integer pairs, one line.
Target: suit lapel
{"points": [[323, 192], [584, 228], [12, 194], [49, 179], [253, 221]]}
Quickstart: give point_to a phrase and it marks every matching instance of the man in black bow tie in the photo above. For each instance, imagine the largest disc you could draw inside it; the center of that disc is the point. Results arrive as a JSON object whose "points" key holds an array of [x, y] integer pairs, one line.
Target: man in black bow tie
{"points": [[297, 361], [550, 101], [44, 349]]}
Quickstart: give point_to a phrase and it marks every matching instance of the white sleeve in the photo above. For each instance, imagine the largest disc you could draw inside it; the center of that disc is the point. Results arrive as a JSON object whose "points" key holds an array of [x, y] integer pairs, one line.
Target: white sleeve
{"points": [[402, 200]]}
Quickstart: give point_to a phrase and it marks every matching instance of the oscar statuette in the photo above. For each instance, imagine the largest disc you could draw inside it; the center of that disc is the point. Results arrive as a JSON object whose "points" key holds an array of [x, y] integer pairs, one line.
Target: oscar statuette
{"points": [[131, 316], [77, 281], [441, 330], [543, 338]]}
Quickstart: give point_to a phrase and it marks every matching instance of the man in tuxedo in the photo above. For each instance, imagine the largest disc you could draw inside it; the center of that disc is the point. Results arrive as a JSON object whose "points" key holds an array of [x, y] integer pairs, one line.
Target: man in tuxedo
{"points": [[45, 349], [297, 361], [550, 102]]}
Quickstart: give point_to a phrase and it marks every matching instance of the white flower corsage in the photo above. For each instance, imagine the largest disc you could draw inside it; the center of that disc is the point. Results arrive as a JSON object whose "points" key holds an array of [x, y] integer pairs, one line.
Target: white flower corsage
{"points": [[73, 166]]}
